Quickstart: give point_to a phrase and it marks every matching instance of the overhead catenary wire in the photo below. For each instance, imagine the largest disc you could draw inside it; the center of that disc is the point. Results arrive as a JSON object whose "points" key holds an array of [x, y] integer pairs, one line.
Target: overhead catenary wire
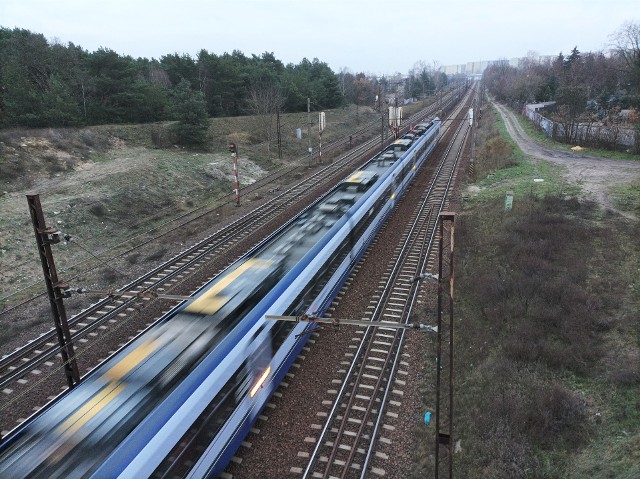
{"points": [[70, 240], [353, 322]]}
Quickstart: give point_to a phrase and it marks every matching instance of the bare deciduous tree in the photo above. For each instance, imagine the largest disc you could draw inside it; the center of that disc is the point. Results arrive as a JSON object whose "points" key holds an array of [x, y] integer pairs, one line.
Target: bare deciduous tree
{"points": [[363, 92], [626, 42], [264, 102], [627, 45]]}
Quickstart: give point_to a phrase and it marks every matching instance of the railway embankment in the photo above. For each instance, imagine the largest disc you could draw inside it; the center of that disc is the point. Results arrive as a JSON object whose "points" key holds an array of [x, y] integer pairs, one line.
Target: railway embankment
{"points": [[110, 186]]}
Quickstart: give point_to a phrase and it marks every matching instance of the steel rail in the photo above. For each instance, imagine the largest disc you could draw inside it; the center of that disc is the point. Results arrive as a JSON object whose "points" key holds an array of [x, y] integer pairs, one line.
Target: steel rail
{"points": [[390, 364], [166, 272], [18, 363], [431, 248]]}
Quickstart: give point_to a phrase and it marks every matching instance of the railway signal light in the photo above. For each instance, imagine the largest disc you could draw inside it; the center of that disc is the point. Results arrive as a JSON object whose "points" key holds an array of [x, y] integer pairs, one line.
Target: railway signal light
{"points": [[233, 148]]}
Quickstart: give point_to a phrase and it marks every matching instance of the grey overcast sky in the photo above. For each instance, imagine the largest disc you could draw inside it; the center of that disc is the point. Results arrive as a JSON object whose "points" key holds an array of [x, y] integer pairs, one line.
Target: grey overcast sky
{"points": [[374, 36]]}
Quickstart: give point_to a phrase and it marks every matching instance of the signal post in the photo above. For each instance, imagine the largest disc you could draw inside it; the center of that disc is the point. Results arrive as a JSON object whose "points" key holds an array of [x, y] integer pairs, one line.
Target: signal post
{"points": [[234, 154]]}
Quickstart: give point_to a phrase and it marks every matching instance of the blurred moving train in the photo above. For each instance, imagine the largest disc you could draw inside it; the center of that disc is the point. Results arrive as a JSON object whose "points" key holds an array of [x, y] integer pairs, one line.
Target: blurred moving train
{"points": [[179, 399]]}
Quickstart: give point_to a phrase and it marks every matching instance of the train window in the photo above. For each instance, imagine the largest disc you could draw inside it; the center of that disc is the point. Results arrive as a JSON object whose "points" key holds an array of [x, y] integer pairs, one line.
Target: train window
{"points": [[401, 145], [330, 207], [176, 463], [279, 333], [257, 333]]}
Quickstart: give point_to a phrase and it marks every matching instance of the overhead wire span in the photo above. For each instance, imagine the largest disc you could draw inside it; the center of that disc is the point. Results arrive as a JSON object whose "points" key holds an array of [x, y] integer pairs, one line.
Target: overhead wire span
{"points": [[69, 239], [150, 294], [305, 318]]}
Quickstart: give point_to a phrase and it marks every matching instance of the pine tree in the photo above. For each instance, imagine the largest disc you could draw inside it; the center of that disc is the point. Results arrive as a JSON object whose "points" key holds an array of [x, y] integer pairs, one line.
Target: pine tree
{"points": [[191, 112]]}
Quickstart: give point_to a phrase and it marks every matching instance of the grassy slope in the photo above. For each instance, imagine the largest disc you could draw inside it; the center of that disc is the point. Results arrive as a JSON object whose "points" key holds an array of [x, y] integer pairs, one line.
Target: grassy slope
{"points": [[107, 183], [548, 349]]}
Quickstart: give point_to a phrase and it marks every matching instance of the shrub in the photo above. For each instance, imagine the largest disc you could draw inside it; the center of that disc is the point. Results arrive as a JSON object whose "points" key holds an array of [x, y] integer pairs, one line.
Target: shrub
{"points": [[156, 255], [162, 137], [98, 209], [494, 155], [626, 376], [504, 454], [554, 414], [536, 410], [111, 275], [53, 165]]}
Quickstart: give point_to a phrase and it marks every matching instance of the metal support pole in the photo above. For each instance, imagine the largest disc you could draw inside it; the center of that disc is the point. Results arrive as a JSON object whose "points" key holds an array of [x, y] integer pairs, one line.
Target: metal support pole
{"points": [[381, 118], [45, 237], [438, 366], [321, 126], [446, 243], [309, 128], [451, 218], [279, 134], [235, 176], [476, 118], [397, 121]]}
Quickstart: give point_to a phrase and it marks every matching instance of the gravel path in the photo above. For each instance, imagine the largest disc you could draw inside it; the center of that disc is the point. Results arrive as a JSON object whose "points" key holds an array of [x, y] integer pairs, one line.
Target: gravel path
{"points": [[596, 175]]}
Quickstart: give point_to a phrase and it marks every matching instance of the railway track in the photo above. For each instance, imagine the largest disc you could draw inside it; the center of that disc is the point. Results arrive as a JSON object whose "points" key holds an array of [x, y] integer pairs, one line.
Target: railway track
{"points": [[163, 278], [193, 216], [17, 369], [350, 443]]}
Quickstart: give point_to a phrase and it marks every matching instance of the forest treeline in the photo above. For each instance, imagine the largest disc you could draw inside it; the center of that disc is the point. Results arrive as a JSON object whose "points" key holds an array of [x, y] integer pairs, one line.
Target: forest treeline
{"points": [[51, 84]]}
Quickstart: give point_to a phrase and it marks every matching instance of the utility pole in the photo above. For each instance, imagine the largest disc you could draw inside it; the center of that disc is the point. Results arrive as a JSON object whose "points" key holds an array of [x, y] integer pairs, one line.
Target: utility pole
{"points": [[395, 119], [279, 135], [446, 257], [381, 118], [309, 127], [397, 125], [56, 289]]}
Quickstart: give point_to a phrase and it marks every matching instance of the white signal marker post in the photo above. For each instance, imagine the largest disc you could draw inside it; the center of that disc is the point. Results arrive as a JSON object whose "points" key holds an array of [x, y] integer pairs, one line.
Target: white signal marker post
{"points": [[321, 125], [395, 120], [234, 153]]}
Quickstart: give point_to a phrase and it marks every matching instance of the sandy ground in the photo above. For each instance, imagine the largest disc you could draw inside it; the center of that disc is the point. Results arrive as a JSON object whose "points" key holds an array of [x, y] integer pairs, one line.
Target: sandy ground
{"points": [[595, 175], [19, 265]]}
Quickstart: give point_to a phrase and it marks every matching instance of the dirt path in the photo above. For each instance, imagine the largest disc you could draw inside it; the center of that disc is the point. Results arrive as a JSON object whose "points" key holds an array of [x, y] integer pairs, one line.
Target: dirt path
{"points": [[596, 175]]}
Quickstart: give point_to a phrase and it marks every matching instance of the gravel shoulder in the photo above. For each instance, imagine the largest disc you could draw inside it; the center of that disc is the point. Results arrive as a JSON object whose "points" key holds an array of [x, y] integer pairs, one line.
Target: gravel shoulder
{"points": [[594, 174]]}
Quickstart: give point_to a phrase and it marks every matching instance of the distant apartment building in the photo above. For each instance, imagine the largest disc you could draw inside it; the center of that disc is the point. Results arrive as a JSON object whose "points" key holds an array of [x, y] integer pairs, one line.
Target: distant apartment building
{"points": [[478, 68]]}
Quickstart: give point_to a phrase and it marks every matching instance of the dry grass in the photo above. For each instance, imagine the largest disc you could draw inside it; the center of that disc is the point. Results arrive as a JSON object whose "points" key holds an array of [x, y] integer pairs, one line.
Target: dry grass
{"points": [[548, 346], [105, 183]]}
